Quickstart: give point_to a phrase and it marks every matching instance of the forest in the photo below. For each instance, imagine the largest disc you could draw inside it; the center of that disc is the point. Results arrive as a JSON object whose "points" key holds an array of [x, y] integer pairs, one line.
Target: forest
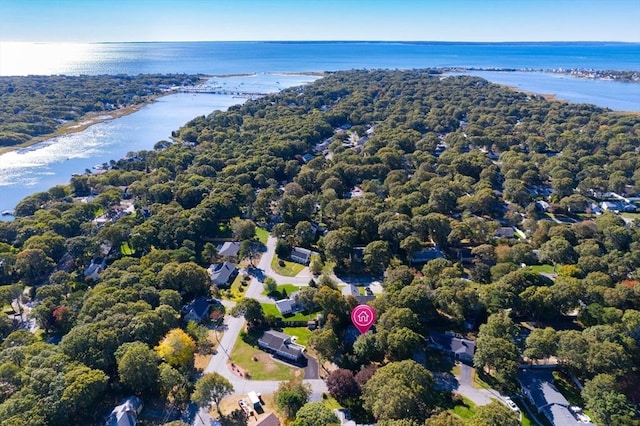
{"points": [[369, 169], [35, 106]]}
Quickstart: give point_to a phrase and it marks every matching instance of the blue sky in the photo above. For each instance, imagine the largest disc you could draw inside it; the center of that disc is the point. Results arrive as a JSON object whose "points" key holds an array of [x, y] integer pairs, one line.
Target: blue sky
{"points": [[402, 20]]}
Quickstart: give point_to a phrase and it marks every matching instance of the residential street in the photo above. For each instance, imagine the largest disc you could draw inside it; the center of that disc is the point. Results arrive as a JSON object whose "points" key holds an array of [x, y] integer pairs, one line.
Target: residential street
{"points": [[233, 327]]}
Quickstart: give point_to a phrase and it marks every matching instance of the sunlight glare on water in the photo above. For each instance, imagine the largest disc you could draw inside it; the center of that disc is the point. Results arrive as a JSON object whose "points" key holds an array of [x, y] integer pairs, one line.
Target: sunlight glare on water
{"points": [[19, 58]]}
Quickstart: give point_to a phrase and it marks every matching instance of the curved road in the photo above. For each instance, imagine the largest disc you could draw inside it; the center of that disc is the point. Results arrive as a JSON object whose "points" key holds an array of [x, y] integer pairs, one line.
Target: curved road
{"points": [[234, 326]]}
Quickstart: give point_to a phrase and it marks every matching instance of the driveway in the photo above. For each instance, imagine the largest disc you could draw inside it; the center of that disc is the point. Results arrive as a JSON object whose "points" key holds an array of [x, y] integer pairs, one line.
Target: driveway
{"points": [[218, 363], [479, 396], [463, 384], [312, 369]]}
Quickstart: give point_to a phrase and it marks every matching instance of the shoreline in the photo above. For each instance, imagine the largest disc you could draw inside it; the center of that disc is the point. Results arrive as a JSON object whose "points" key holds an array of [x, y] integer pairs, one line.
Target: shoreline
{"points": [[85, 122], [98, 117], [93, 118]]}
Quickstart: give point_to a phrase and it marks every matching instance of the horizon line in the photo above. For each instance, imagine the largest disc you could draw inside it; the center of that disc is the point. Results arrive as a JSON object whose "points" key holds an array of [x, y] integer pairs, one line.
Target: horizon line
{"points": [[327, 41]]}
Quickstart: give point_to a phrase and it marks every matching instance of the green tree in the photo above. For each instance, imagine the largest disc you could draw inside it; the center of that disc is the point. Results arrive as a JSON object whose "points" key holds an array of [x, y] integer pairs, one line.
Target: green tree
{"points": [[209, 252], [445, 418], [377, 256], [324, 342], [172, 384], [541, 343], [248, 250], [494, 413], [557, 251], [33, 265], [137, 367], [337, 245], [571, 351], [399, 390], [402, 343], [609, 406], [315, 414], [367, 348], [211, 387], [498, 356], [291, 396], [304, 234], [83, 387], [251, 310], [243, 229], [270, 285]]}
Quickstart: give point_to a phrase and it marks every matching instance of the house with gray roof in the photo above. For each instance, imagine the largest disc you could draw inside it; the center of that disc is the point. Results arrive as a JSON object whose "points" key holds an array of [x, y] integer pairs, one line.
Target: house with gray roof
{"points": [[351, 290], [285, 306], [125, 414], [197, 310], [221, 273], [456, 346], [280, 344], [425, 255], [229, 249], [537, 386], [300, 255], [270, 420]]}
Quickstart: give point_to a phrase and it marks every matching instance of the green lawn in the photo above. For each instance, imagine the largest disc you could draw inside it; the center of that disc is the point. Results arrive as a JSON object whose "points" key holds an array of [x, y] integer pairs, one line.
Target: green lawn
{"points": [[290, 269], [262, 235], [331, 403], [260, 365], [526, 420], [466, 410], [286, 288], [548, 269], [126, 250], [632, 216], [271, 309], [235, 287], [302, 333], [99, 212]]}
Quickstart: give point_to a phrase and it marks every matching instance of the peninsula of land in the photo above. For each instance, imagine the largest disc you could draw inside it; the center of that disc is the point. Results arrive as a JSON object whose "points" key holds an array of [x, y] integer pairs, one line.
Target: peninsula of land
{"points": [[34, 108]]}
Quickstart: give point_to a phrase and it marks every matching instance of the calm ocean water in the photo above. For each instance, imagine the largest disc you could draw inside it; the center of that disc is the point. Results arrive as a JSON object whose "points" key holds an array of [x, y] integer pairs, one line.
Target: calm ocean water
{"points": [[52, 162], [243, 57]]}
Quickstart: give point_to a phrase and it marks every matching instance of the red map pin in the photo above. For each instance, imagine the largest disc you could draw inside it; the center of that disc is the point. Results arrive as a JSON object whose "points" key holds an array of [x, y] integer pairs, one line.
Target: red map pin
{"points": [[363, 317]]}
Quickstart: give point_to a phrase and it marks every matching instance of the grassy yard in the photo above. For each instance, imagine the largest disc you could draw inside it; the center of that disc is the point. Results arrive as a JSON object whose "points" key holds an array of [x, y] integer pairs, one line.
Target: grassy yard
{"points": [[525, 420], [271, 309], [262, 235], [234, 289], [282, 290], [290, 269], [548, 269], [99, 212], [477, 382], [264, 367], [633, 216], [466, 409], [331, 403], [302, 333]]}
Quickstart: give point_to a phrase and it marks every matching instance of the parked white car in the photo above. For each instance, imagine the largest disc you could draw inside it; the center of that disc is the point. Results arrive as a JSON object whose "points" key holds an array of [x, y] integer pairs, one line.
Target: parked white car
{"points": [[511, 404], [580, 415]]}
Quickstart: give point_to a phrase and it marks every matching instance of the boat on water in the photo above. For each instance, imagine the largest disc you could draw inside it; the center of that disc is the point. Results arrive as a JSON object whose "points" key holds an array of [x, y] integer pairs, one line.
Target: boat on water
{"points": [[7, 213]]}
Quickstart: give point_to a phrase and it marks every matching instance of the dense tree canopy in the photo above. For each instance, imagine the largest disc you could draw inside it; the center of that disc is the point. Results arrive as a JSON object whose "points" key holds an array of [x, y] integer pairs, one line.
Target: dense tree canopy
{"points": [[404, 166]]}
